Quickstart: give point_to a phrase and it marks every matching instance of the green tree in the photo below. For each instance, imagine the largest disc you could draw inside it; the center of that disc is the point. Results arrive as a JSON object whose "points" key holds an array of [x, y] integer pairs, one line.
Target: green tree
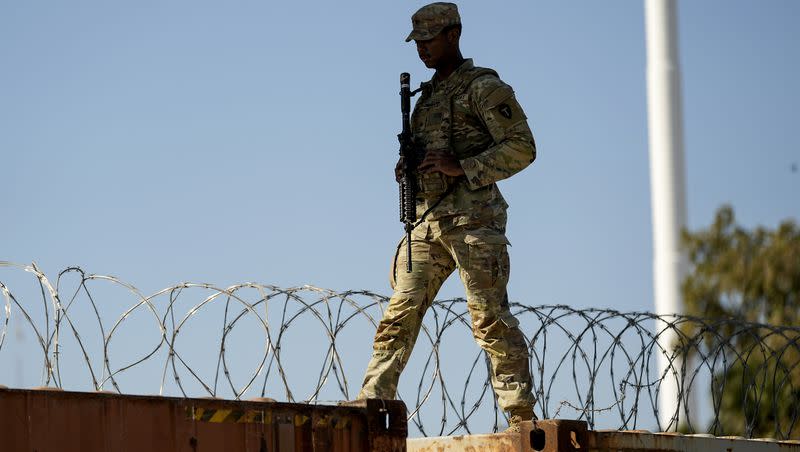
{"points": [[740, 277]]}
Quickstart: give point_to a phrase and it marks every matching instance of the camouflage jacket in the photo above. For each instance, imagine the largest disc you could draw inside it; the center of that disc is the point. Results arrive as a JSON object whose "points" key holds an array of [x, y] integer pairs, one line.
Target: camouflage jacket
{"points": [[474, 115]]}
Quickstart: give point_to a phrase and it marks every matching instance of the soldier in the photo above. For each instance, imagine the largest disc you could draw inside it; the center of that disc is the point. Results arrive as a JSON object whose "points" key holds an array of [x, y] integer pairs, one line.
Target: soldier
{"points": [[471, 133]]}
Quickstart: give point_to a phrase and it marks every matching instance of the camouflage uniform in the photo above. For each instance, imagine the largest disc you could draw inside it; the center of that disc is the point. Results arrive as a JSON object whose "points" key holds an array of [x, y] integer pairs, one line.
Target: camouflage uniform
{"points": [[474, 115]]}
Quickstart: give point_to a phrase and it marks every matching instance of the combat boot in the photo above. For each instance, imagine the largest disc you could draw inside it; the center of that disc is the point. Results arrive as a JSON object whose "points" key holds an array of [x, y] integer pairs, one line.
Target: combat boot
{"points": [[517, 416]]}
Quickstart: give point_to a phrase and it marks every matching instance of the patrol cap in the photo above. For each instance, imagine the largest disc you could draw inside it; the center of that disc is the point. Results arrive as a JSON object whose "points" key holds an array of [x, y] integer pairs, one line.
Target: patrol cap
{"points": [[431, 19]]}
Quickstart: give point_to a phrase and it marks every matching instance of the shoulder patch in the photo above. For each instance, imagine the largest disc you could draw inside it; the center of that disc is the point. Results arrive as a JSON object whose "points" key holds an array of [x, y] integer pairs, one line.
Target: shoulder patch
{"points": [[506, 113], [505, 110]]}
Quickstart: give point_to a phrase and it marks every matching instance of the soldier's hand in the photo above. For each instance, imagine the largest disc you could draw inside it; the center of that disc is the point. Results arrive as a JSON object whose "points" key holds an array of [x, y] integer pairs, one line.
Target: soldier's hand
{"points": [[443, 162]]}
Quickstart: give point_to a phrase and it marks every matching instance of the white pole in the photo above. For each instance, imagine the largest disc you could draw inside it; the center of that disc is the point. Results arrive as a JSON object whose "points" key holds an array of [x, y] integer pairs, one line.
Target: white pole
{"points": [[667, 184]]}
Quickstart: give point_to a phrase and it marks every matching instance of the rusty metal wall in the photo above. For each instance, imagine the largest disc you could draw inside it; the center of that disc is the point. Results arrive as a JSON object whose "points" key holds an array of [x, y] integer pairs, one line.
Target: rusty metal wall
{"points": [[47, 420], [574, 436], [54, 420]]}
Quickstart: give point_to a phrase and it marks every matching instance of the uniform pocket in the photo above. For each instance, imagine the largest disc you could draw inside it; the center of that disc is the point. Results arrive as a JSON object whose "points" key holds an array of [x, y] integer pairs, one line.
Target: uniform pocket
{"points": [[488, 237], [488, 259], [399, 277], [393, 268], [432, 184]]}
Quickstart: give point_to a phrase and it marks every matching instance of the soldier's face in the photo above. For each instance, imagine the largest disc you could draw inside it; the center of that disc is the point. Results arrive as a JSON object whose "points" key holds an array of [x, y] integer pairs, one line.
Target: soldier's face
{"points": [[433, 51]]}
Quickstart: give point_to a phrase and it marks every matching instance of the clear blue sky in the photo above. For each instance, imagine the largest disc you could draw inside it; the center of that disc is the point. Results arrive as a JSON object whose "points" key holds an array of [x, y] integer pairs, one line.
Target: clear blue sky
{"points": [[233, 141], [255, 141]]}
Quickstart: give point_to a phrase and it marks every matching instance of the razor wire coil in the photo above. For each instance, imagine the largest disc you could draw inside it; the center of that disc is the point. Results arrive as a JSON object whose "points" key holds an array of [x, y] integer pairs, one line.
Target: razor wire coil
{"points": [[599, 365]]}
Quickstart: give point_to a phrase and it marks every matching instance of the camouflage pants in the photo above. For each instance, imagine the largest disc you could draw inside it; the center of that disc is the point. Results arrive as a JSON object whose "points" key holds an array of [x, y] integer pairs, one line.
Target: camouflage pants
{"points": [[482, 261]]}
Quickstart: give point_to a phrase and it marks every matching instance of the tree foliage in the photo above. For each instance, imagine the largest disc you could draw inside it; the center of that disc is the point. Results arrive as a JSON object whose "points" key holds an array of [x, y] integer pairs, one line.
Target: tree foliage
{"points": [[753, 276]]}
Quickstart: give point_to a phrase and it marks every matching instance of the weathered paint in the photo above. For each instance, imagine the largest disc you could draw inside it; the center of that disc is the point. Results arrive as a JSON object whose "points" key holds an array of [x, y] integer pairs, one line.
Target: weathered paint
{"points": [[546, 435], [646, 441], [498, 442], [48, 420], [571, 436]]}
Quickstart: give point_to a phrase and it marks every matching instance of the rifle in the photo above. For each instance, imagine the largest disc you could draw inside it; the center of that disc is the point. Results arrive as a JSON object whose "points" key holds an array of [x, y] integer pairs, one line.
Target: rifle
{"points": [[408, 187]]}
